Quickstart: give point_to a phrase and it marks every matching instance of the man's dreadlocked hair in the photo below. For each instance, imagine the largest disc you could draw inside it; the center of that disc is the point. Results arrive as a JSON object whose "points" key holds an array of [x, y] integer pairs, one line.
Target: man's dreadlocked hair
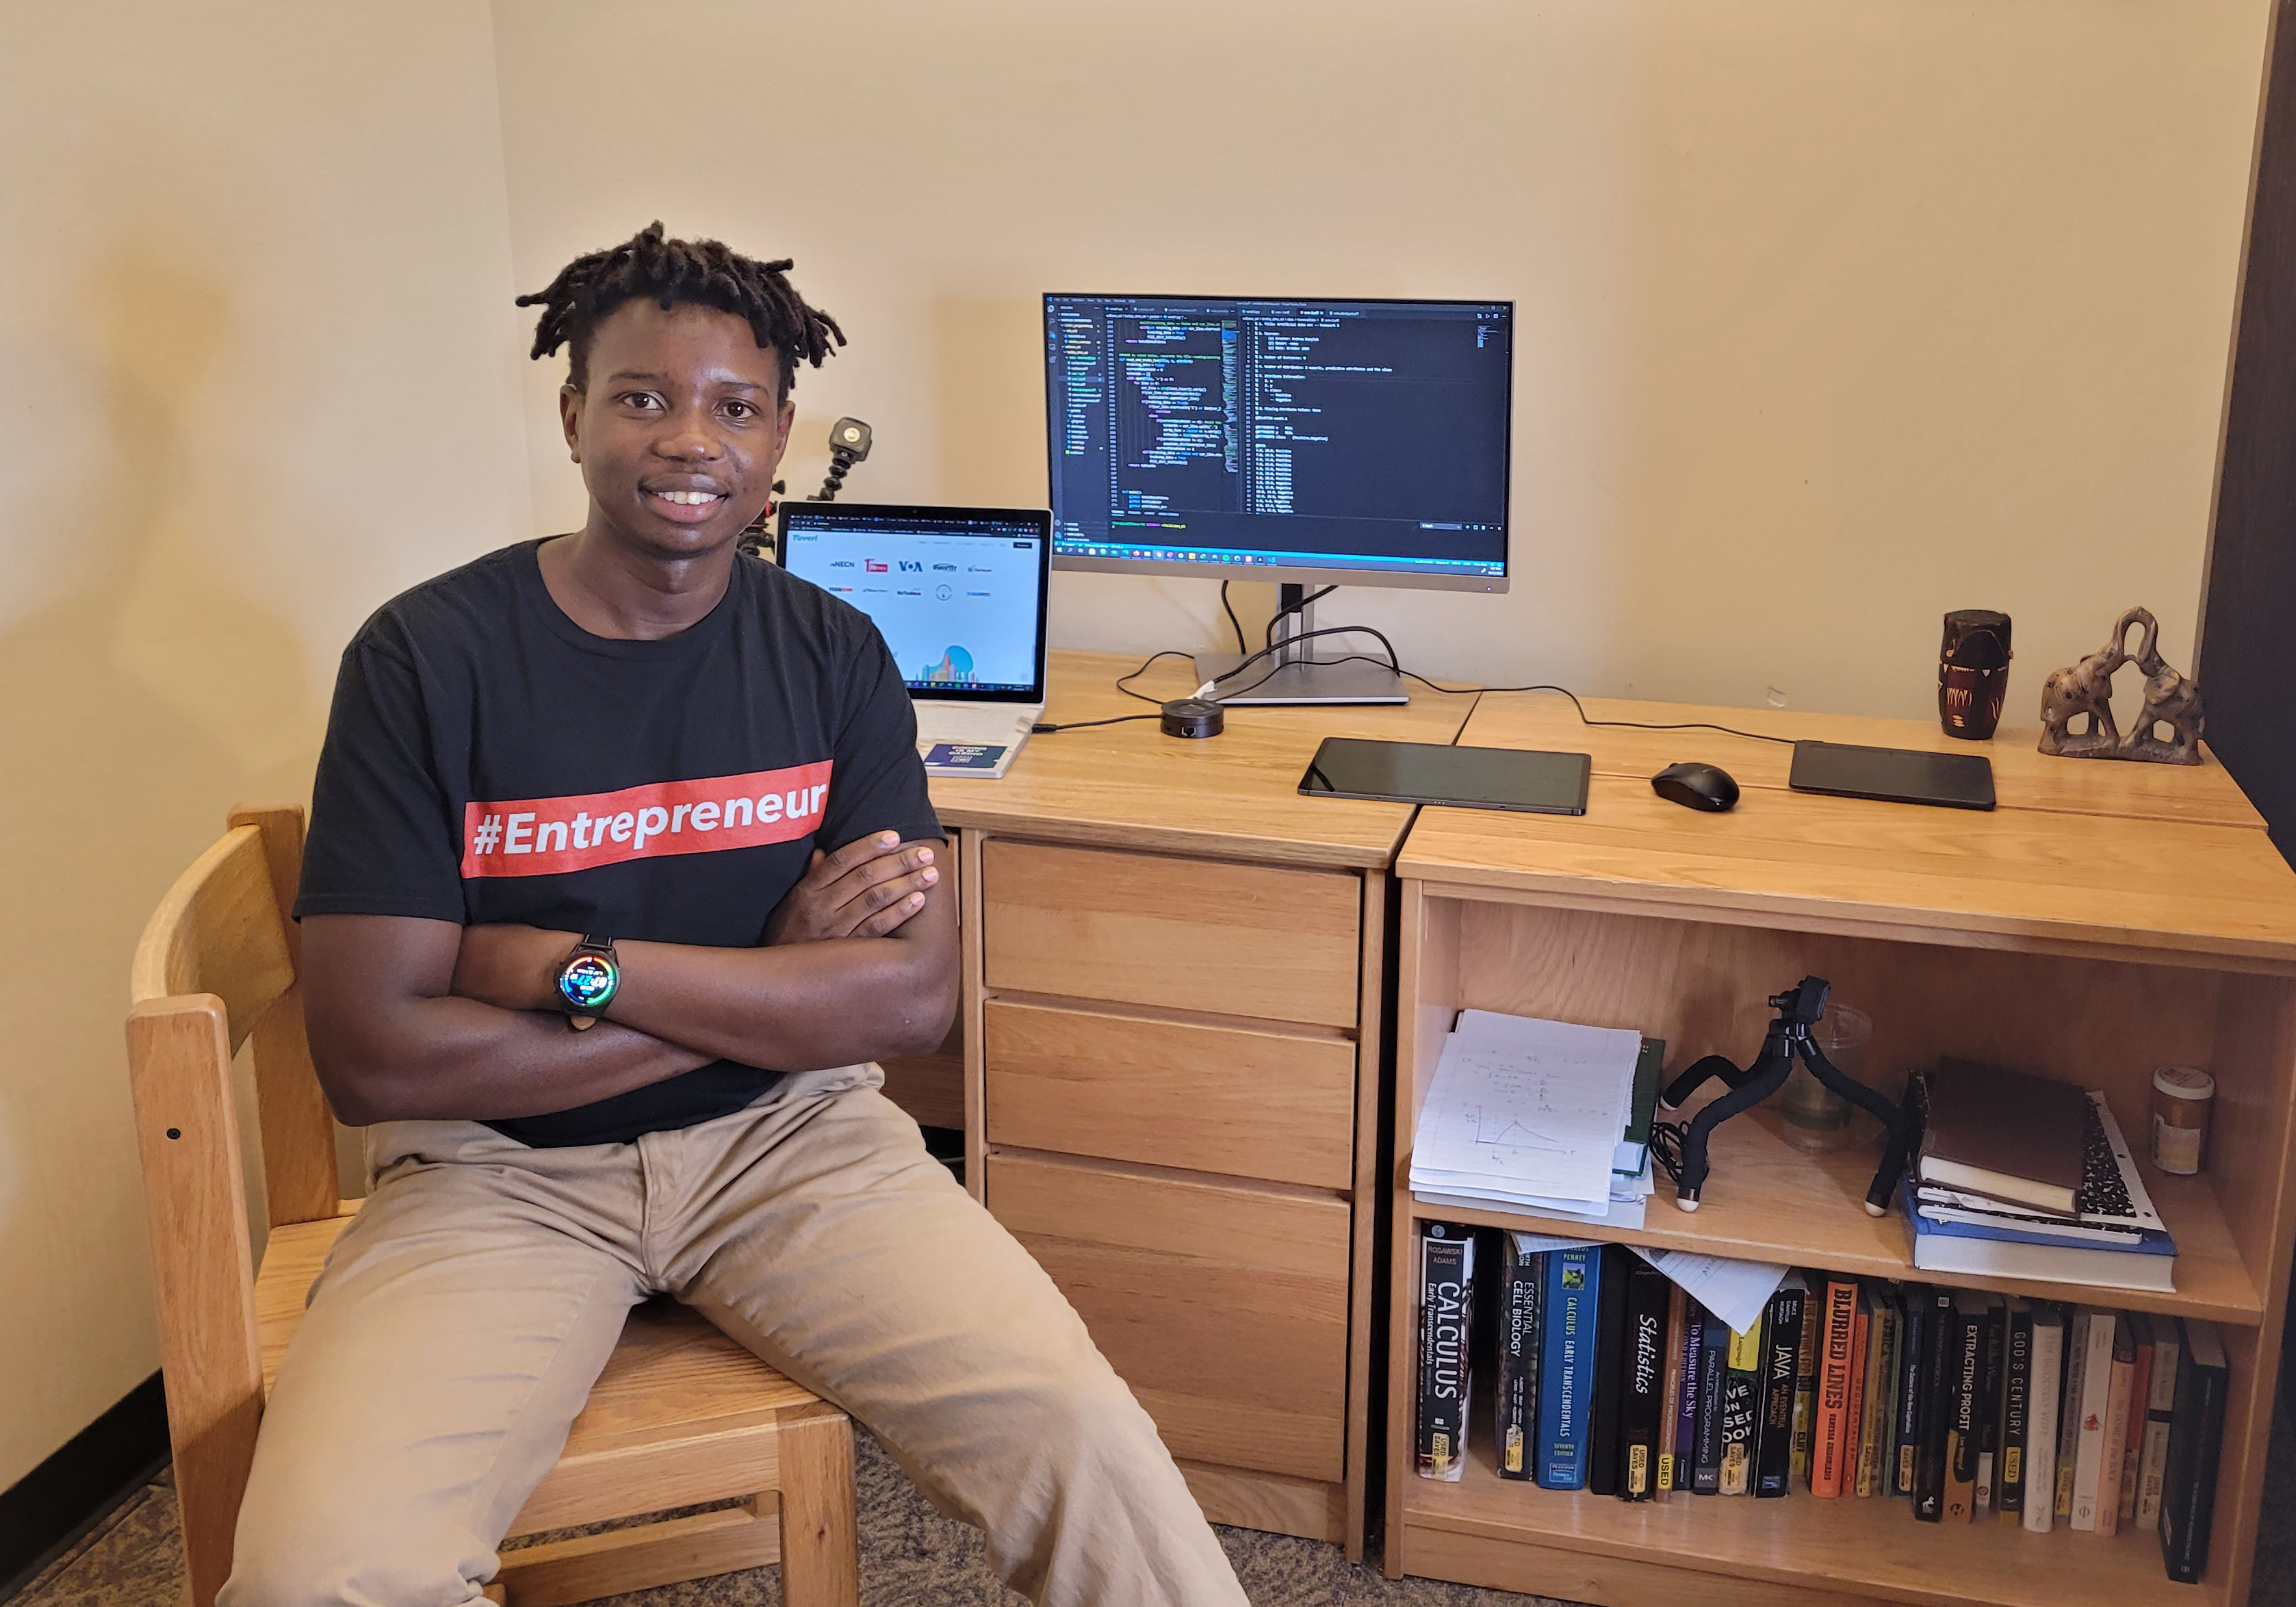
{"points": [[671, 272]]}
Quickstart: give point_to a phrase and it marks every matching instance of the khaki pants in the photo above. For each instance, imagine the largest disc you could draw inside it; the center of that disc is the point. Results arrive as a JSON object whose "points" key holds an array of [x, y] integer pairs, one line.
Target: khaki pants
{"points": [[464, 1313]]}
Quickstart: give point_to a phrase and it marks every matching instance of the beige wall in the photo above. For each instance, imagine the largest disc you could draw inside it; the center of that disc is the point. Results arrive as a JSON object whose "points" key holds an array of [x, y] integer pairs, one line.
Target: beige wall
{"points": [[1832, 316], [258, 368]]}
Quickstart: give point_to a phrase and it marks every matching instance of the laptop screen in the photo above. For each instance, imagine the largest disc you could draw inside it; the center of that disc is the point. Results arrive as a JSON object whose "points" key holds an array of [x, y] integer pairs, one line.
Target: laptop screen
{"points": [[958, 594]]}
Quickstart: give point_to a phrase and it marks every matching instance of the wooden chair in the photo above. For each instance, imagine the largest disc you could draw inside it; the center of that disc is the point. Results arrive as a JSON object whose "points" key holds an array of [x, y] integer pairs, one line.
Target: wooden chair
{"points": [[682, 1416]]}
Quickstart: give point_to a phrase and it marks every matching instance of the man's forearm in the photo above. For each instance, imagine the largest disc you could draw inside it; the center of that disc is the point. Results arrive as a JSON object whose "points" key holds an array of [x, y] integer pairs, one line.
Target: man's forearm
{"points": [[457, 1059], [793, 1008]]}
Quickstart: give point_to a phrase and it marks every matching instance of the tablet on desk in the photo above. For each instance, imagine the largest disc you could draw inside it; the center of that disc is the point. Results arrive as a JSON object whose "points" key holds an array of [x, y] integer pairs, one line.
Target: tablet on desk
{"points": [[1432, 773], [1955, 781]]}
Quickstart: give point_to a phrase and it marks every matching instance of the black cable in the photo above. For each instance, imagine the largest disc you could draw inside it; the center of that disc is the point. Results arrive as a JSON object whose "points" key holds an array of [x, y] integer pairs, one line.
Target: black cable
{"points": [[1393, 663], [1170, 653], [1584, 718], [1240, 644], [1041, 729], [1304, 601]]}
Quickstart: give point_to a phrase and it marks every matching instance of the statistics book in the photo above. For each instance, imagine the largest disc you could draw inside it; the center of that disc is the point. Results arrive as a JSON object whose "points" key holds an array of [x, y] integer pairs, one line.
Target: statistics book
{"points": [[2160, 1404], [1643, 1391], [1781, 1361], [2041, 1436], [1522, 1287], [1829, 1428], [1670, 1407], [2188, 1497], [2016, 1412], [1566, 1365], [1741, 1391], [1446, 1273]]}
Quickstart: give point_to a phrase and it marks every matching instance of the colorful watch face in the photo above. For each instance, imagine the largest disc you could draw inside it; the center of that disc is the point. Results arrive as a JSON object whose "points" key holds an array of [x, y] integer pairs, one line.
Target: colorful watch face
{"points": [[587, 981]]}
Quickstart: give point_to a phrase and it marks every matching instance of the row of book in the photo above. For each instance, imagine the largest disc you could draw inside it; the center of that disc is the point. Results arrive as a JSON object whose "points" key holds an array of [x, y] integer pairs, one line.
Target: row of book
{"points": [[1609, 1377]]}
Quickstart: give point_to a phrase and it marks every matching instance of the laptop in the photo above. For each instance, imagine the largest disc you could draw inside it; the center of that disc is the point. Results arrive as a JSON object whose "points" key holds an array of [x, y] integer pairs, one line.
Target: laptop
{"points": [[959, 595]]}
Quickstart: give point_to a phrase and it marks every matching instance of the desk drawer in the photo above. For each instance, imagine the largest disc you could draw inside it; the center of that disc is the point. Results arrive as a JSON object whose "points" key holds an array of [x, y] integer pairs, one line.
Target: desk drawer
{"points": [[1225, 1307], [1209, 1099], [1195, 934]]}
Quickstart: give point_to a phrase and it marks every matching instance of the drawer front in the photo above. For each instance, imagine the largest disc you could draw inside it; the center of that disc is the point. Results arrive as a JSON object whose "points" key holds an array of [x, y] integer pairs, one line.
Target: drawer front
{"points": [[1224, 1307], [1193, 934], [1208, 1099]]}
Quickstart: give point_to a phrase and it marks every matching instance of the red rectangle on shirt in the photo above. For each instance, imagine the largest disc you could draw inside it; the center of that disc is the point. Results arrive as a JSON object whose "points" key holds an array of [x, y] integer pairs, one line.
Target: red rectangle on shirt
{"points": [[548, 836]]}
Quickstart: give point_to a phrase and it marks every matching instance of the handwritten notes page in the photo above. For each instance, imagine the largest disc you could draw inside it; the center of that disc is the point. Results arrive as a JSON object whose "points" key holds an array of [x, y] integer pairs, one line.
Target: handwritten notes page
{"points": [[1522, 1108]]}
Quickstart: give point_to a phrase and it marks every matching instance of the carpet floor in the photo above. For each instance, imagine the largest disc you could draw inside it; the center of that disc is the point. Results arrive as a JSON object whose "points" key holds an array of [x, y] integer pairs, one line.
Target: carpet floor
{"points": [[911, 1556]]}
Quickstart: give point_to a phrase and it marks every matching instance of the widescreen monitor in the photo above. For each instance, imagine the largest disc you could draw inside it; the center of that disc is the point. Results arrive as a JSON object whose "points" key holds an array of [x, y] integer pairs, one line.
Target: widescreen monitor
{"points": [[1362, 442]]}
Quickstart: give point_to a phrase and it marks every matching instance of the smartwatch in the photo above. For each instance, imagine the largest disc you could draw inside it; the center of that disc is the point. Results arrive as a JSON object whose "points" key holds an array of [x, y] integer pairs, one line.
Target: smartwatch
{"points": [[587, 981]]}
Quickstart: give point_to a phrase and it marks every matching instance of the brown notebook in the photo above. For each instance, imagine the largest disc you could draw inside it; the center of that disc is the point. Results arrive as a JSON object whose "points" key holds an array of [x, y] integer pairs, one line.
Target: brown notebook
{"points": [[2006, 1133]]}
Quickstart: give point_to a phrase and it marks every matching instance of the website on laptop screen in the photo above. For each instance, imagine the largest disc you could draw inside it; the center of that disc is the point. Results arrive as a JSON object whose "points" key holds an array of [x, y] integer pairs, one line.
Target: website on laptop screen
{"points": [[957, 601]]}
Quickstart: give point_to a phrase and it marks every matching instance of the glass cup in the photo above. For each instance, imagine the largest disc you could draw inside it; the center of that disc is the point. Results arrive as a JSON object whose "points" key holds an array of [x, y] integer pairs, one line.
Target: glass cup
{"points": [[1814, 1117]]}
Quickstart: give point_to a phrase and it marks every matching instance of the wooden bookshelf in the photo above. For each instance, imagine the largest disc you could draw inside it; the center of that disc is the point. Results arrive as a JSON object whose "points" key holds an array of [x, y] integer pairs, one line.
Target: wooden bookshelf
{"points": [[1514, 1535], [2096, 926]]}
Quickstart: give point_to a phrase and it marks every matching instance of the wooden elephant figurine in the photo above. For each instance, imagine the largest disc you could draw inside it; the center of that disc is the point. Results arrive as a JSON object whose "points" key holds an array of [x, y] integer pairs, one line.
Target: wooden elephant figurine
{"points": [[2085, 688], [2171, 699]]}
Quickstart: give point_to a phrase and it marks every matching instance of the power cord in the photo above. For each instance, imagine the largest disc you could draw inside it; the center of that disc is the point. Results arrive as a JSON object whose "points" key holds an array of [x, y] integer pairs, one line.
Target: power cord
{"points": [[1305, 602], [1043, 728], [1240, 644]]}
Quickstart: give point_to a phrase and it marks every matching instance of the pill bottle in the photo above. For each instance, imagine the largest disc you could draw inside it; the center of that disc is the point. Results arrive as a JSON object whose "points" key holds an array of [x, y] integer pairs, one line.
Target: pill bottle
{"points": [[2182, 1098]]}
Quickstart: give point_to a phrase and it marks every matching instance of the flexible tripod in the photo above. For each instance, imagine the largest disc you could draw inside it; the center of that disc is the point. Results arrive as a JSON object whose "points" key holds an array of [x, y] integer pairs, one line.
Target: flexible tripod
{"points": [[1799, 1008]]}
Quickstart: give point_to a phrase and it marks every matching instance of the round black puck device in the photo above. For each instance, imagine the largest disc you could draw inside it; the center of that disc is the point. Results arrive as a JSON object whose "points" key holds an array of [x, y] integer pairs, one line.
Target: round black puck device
{"points": [[1193, 716]]}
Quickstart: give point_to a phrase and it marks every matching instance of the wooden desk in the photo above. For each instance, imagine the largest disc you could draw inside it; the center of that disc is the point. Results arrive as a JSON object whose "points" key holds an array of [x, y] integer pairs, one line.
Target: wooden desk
{"points": [[1169, 1056], [2023, 777], [2108, 919]]}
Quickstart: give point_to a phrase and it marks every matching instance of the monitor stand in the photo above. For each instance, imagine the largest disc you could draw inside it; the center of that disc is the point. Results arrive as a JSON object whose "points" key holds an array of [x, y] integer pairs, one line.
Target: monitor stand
{"points": [[1291, 675]]}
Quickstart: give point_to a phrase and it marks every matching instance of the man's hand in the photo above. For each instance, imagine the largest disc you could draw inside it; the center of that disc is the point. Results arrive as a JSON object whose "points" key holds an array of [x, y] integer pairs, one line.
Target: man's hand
{"points": [[868, 888]]}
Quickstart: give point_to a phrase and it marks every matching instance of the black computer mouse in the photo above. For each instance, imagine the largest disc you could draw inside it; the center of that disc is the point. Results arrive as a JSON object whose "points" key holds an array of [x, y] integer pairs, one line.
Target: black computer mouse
{"points": [[1696, 786]]}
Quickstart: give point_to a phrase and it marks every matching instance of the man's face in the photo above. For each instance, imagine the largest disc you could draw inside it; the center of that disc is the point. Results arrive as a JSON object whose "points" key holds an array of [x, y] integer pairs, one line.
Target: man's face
{"points": [[680, 428]]}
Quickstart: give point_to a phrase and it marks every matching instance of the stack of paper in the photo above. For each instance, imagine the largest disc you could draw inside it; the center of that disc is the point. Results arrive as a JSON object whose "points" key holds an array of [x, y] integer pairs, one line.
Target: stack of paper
{"points": [[1529, 1115]]}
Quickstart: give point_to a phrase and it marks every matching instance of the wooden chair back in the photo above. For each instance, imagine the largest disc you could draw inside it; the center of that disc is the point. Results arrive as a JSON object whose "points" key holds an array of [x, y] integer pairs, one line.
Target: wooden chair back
{"points": [[217, 966]]}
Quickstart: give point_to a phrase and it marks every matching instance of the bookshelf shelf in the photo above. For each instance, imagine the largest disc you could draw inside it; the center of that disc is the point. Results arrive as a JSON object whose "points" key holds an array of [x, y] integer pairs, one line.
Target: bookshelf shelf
{"points": [[2096, 926], [1766, 1201], [1845, 1546]]}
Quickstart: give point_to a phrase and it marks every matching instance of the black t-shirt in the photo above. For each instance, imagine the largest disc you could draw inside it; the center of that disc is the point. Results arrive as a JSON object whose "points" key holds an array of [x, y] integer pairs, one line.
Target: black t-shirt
{"points": [[487, 759]]}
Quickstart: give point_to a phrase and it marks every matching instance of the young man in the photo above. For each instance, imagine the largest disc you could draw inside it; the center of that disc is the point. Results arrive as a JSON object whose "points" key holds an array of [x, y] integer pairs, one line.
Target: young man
{"points": [[621, 873]]}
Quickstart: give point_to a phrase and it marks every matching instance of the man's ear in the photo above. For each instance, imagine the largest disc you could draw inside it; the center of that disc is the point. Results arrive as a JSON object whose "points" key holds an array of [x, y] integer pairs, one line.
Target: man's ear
{"points": [[781, 428], [569, 418]]}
